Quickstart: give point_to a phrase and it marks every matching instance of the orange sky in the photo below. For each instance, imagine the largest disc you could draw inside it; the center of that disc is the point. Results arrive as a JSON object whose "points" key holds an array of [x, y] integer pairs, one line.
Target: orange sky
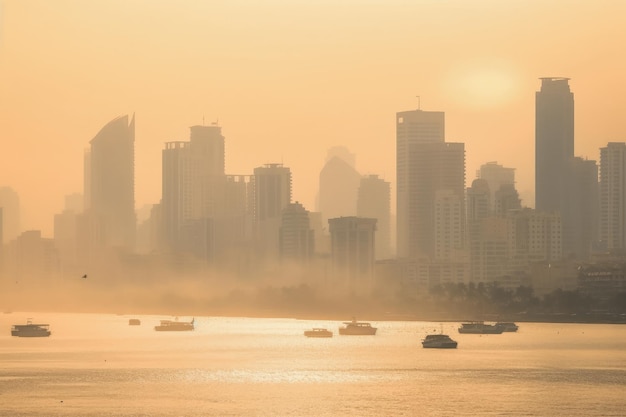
{"points": [[289, 79]]}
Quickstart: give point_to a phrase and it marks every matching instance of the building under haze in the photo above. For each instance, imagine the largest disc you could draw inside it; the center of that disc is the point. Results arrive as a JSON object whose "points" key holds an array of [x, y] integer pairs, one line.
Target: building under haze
{"points": [[374, 201], [296, 238], [563, 183], [110, 183], [10, 204], [613, 196], [352, 254], [272, 193], [430, 176], [338, 185], [496, 176], [193, 191]]}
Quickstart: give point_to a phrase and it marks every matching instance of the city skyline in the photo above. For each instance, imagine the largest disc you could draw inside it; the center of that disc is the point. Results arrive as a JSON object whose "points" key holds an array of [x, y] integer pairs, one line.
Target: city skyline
{"points": [[311, 78]]}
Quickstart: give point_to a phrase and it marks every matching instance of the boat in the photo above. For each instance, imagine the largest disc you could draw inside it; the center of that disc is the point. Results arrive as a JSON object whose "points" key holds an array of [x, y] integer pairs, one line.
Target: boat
{"points": [[508, 326], [318, 332], [479, 327], [134, 322], [30, 329], [439, 341], [357, 328], [175, 326]]}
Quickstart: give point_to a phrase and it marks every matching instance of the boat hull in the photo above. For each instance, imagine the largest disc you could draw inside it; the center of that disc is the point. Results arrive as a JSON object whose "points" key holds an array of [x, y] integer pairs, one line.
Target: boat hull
{"points": [[41, 333], [369, 331], [318, 333]]}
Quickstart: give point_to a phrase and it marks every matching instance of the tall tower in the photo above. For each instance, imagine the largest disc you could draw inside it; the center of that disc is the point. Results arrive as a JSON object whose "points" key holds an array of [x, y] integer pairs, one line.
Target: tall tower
{"points": [[426, 165], [613, 195], [193, 183], [272, 193], [111, 182], [554, 143], [374, 199], [338, 185], [10, 204], [296, 239]]}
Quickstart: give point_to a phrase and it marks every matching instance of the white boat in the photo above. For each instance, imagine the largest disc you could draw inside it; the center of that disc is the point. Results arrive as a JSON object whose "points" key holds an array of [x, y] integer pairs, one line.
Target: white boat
{"points": [[479, 327], [318, 332], [439, 341], [357, 328], [30, 329], [175, 326]]}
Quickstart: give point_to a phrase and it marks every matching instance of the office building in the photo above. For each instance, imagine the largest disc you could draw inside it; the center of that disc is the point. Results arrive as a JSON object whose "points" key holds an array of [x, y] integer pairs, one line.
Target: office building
{"points": [[110, 184], [374, 201], [613, 196]]}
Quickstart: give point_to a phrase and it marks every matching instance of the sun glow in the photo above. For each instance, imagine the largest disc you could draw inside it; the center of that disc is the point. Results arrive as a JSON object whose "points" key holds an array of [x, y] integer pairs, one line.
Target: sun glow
{"points": [[483, 86]]}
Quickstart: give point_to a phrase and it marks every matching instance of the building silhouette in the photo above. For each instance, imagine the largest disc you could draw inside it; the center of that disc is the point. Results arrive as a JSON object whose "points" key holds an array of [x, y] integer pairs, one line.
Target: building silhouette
{"points": [[554, 143], [338, 185], [10, 204], [374, 201], [272, 193], [496, 176], [613, 196], [427, 166], [296, 238], [110, 183], [352, 254]]}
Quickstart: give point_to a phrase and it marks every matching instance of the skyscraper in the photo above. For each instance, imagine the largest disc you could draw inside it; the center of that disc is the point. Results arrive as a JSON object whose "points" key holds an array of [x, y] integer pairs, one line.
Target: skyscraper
{"points": [[338, 185], [613, 196], [563, 184], [110, 184], [554, 143], [272, 193], [374, 200], [426, 165], [193, 186]]}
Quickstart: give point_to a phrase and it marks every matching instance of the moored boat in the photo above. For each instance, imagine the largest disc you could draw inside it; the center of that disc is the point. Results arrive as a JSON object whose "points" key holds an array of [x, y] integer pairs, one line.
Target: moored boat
{"points": [[175, 326], [30, 329], [439, 341], [357, 328], [318, 332], [134, 322], [507, 326], [479, 327]]}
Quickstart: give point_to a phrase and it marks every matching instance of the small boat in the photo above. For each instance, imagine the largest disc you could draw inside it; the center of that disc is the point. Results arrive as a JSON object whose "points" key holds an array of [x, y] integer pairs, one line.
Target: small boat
{"points": [[439, 341], [479, 327], [357, 328], [134, 322], [175, 326], [507, 326], [318, 332], [30, 329]]}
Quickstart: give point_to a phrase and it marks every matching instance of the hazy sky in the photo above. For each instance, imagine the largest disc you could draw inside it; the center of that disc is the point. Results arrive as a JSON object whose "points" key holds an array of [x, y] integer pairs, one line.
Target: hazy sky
{"points": [[289, 79]]}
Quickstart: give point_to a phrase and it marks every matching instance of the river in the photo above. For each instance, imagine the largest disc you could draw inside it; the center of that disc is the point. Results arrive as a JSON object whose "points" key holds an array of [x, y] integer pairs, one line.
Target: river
{"points": [[98, 365]]}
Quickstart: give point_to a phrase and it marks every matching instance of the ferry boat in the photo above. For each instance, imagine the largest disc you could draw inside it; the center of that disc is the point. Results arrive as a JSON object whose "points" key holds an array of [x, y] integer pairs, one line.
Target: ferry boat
{"points": [[318, 332], [439, 341], [175, 326], [357, 328], [479, 327], [508, 326], [30, 329]]}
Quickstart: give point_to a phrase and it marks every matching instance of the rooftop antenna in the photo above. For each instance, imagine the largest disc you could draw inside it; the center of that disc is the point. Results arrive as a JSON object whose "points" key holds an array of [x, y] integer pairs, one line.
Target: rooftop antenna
{"points": [[419, 107]]}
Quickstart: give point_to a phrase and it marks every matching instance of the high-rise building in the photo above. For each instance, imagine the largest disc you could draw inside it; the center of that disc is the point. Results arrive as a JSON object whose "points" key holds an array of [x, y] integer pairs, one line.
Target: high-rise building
{"points": [[425, 165], [496, 176], [338, 185], [272, 193], [554, 143], [374, 201], [613, 196], [352, 253], [296, 239], [193, 186], [10, 204], [110, 184]]}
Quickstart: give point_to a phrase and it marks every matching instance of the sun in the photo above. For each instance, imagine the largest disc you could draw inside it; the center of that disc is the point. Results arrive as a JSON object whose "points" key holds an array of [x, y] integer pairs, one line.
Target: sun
{"points": [[481, 85]]}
